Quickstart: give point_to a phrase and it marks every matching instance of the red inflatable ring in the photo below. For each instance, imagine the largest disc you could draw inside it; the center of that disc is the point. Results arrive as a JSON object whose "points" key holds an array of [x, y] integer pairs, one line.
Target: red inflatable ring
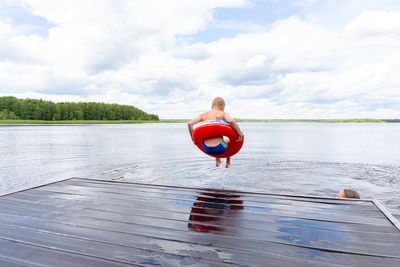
{"points": [[208, 129]]}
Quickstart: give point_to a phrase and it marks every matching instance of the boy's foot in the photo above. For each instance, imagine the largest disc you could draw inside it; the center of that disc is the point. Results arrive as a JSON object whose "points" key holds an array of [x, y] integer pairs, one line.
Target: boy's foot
{"points": [[228, 162], [217, 162]]}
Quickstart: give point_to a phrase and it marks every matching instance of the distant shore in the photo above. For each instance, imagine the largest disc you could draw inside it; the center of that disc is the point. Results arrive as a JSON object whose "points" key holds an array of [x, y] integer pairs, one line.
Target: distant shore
{"points": [[185, 121], [324, 120], [86, 121]]}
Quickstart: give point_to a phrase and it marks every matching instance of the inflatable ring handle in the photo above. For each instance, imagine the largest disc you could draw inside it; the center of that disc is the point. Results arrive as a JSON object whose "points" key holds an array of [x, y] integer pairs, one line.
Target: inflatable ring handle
{"points": [[208, 129]]}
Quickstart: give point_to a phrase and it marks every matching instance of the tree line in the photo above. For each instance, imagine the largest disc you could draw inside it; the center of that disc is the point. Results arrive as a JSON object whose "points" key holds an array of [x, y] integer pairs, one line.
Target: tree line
{"points": [[33, 109]]}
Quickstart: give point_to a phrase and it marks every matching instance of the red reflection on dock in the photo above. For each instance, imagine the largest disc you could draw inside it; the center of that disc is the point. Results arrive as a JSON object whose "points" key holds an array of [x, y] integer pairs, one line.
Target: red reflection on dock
{"points": [[212, 208]]}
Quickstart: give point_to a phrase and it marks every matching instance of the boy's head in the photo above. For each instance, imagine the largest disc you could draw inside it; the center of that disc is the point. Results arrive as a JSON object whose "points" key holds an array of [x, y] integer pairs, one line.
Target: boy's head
{"points": [[348, 193], [218, 103]]}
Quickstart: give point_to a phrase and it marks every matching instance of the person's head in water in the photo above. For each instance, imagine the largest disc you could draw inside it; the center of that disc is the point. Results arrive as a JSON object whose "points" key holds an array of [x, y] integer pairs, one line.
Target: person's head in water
{"points": [[218, 103], [348, 193]]}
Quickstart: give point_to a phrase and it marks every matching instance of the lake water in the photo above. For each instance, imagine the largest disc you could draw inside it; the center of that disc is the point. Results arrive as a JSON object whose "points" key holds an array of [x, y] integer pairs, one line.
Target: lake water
{"points": [[290, 158]]}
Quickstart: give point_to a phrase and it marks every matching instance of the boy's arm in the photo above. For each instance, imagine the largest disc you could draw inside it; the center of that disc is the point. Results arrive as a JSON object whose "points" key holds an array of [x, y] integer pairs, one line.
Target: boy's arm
{"points": [[234, 125], [193, 122]]}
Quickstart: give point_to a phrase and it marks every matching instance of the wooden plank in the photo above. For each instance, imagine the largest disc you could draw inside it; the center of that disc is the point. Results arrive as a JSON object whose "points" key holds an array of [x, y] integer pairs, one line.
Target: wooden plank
{"points": [[52, 200], [163, 253], [261, 195], [41, 256], [371, 210], [88, 220], [292, 200], [263, 207], [176, 214], [211, 240], [99, 212], [351, 218], [156, 208], [106, 250], [286, 235], [162, 203], [12, 262]]}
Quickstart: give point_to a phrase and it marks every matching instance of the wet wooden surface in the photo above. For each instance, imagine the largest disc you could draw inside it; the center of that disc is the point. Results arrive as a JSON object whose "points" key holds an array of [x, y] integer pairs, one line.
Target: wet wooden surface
{"points": [[83, 222]]}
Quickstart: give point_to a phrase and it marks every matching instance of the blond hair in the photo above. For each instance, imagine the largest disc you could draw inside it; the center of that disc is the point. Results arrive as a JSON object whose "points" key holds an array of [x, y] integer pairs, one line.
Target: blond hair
{"points": [[217, 102], [350, 193]]}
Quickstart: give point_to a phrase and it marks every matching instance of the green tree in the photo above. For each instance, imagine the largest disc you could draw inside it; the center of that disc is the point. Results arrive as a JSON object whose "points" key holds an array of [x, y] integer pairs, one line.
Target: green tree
{"points": [[3, 114], [29, 109]]}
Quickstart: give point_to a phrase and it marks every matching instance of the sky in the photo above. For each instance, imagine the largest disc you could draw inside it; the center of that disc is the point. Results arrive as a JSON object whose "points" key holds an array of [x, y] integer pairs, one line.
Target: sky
{"points": [[269, 59]]}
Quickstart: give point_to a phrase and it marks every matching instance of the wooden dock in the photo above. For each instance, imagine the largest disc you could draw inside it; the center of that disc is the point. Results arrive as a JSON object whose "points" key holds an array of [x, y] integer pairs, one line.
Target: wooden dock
{"points": [[86, 222]]}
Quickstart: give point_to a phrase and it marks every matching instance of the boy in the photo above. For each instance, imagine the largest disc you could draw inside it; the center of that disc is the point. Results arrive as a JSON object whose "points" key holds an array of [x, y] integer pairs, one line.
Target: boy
{"points": [[216, 145], [348, 193]]}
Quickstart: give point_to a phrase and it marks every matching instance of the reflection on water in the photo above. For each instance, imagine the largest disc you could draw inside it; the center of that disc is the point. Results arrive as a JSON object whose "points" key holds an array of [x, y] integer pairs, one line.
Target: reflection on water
{"points": [[212, 208], [289, 158]]}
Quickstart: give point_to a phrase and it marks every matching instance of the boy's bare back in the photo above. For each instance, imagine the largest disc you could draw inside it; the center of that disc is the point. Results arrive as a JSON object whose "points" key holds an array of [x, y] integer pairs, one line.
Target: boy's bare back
{"points": [[215, 115]]}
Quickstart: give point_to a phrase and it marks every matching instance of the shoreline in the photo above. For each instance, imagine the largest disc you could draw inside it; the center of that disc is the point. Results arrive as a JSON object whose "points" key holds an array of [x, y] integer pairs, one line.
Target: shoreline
{"points": [[27, 122], [322, 120]]}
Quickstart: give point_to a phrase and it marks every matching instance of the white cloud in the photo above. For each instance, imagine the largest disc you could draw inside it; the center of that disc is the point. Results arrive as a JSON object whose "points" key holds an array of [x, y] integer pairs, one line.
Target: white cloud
{"points": [[372, 23], [130, 52], [296, 62], [4, 28]]}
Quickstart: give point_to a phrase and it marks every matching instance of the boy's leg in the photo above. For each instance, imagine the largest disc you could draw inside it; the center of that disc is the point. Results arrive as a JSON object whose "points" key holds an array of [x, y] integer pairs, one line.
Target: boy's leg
{"points": [[217, 162], [228, 162]]}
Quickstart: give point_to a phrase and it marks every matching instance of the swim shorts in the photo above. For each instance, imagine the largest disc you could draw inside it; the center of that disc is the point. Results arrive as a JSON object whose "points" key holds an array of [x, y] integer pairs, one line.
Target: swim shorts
{"points": [[215, 150]]}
